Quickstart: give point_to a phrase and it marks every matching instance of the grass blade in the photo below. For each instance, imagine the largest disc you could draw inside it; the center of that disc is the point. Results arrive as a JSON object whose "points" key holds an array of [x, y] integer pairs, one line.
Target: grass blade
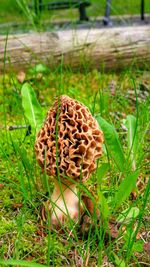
{"points": [[125, 188], [104, 205], [23, 5], [20, 263], [113, 144], [101, 172], [31, 106], [132, 137]]}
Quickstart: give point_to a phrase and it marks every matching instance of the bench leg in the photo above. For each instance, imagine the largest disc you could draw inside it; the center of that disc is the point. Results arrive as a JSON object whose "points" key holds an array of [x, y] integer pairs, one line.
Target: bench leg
{"points": [[142, 9], [82, 12], [106, 19]]}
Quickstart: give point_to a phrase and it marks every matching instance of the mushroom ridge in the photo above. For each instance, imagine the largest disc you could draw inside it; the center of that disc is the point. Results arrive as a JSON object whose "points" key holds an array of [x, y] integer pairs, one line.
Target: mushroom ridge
{"points": [[70, 126]]}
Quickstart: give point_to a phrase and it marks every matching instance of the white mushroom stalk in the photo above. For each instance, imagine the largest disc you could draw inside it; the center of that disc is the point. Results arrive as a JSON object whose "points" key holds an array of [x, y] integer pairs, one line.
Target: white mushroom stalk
{"points": [[78, 139]]}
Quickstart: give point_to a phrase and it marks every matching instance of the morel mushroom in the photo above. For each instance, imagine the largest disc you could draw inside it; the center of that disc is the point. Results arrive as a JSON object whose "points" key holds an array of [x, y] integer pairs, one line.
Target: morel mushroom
{"points": [[67, 147]]}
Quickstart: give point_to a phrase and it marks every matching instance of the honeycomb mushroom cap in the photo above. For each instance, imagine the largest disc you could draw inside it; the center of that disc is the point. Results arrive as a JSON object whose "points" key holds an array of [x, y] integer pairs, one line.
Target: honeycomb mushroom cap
{"points": [[70, 126]]}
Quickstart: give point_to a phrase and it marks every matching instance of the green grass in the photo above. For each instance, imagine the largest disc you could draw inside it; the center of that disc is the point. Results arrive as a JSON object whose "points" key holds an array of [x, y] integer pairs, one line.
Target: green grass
{"points": [[17, 17], [24, 234], [11, 12], [120, 103]]}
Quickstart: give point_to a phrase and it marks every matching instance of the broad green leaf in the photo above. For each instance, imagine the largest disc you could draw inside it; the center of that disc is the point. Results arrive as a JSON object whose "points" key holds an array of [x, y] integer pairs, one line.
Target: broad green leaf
{"points": [[127, 215], [104, 99], [31, 106], [101, 172], [132, 137], [119, 262], [20, 263], [138, 246], [112, 142], [125, 188], [39, 68], [104, 205]]}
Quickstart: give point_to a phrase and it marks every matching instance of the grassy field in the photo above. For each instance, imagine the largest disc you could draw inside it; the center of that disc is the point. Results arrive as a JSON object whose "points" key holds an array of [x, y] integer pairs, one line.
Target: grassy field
{"points": [[120, 185], [119, 189], [17, 17]]}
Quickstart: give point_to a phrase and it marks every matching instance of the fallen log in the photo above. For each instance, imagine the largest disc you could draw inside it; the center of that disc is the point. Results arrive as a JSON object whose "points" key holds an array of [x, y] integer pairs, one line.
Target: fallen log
{"points": [[107, 48]]}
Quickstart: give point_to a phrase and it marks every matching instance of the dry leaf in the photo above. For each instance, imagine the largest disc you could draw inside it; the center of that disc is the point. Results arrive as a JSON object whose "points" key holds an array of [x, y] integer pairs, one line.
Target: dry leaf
{"points": [[43, 213], [146, 247], [41, 233], [106, 262], [113, 229], [15, 206], [86, 224], [1, 186], [90, 205], [138, 236], [112, 87]]}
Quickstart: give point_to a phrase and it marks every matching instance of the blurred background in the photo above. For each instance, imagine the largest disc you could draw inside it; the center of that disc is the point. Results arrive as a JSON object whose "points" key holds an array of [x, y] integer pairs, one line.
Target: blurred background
{"points": [[16, 12]]}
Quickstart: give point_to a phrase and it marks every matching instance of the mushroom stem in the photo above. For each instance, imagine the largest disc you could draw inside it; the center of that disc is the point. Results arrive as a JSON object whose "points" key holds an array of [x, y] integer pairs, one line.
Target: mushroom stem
{"points": [[65, 203]]}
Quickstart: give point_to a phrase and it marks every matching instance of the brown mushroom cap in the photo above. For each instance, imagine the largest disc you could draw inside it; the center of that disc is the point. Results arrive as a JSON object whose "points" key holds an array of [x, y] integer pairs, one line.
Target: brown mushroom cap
{"points": [[69, 126]]}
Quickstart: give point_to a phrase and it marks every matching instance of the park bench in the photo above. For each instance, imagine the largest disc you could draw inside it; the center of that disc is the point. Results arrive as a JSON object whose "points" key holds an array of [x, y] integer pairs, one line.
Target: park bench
{"points": [[106, 19], [65, 4], [81, 5]]}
